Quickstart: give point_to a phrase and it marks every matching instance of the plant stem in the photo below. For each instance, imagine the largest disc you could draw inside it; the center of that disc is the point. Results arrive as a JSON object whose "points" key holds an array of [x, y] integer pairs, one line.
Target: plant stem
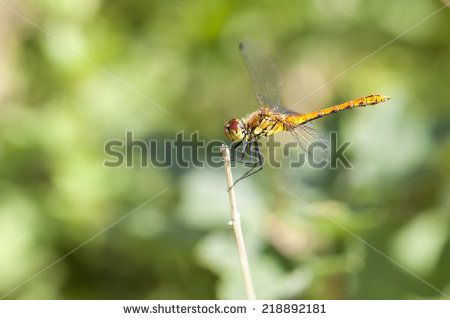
{"points": [[236, 223]]}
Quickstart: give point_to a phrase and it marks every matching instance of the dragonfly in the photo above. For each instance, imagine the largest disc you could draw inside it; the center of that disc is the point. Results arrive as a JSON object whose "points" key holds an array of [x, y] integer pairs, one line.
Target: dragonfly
{"points": [[271, 118]]}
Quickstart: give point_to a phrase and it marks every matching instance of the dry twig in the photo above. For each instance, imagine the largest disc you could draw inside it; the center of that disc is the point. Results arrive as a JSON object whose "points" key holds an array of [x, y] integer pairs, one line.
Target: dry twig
{"points": [[236, 223]]}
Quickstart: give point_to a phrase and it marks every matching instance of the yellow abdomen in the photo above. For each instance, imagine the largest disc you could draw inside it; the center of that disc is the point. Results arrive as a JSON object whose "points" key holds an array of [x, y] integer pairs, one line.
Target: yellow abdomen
{"points": [[361, 102]]}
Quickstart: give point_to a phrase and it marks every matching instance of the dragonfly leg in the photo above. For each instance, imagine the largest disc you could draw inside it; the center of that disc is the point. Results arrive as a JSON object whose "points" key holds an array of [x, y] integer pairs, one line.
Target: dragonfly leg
{"points": [[254, 164], [259, 161], [240, 152], [251, 155]]}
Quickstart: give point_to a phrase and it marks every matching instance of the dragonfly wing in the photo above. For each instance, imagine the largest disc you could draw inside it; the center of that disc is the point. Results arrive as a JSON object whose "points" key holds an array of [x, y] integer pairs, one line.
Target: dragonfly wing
{"points": [[266, 77], [312, 141]]}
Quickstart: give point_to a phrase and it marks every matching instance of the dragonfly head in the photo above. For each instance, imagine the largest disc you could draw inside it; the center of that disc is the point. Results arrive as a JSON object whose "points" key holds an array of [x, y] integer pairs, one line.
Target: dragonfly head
{"points": [[234, 130]]}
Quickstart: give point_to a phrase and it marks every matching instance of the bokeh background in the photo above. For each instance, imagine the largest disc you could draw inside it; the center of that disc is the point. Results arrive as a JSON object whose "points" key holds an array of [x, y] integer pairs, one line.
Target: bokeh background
{"points": [[75, 74]]}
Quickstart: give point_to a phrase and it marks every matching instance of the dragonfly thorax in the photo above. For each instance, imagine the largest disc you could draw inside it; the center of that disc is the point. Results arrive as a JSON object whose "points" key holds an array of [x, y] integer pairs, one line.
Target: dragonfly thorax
{"points": [[234, 130]]}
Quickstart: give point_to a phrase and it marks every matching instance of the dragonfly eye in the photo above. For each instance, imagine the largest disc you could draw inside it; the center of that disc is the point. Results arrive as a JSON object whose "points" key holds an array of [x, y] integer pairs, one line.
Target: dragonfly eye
{"points": [[234, 130]]}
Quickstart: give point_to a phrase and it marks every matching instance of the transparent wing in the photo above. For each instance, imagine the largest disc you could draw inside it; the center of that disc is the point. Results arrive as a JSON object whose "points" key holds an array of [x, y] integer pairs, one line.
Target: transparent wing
{"points": [[312, 141], [266, 77]]}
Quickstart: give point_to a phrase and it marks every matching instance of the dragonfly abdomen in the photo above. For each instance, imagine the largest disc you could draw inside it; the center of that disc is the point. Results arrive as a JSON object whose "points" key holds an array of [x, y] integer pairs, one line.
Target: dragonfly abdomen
{"points": [[361, 102]]}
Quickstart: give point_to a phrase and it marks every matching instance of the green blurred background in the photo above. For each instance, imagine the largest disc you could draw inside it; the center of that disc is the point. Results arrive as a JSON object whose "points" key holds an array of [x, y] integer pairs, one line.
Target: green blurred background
{"points": [[57, 110]]}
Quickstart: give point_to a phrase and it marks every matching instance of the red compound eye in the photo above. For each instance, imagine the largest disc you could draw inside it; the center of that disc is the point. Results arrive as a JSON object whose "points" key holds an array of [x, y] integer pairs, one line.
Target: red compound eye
{"points": [[234, 124], [233, 130]]}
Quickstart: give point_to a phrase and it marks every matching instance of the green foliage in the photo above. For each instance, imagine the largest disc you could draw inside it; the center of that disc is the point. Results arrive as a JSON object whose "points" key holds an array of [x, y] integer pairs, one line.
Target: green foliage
{"points": [[87, 75]]}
